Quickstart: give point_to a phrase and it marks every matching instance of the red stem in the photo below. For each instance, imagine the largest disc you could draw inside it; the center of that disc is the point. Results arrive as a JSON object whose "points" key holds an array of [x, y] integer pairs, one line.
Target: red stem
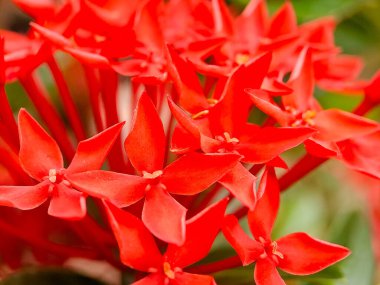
{"points": [[68, 102], [220, 265], [93, 89], [109, 86], [364, 107], [49, 115], [6, 114]]}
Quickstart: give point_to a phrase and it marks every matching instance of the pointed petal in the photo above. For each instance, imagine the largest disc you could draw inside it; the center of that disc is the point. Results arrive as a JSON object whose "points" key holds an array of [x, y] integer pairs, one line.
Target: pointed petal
{"points": [[183, 142], [92, 152], [164, 216], [145, 144], [189, 89], [306, 255], [39, 152], [67, 203], [302, 82], [283, 22], [24, 197], [183, 278], [336, 125], [269, 108], [247, 248], [359, 154], [266, 273], [52, 36], [195, 172], [266, 143], [241, 183], [183, 119], [121, 189], [262, 218], [198, 245], [93, 59], [138, 249], [223, 22]]}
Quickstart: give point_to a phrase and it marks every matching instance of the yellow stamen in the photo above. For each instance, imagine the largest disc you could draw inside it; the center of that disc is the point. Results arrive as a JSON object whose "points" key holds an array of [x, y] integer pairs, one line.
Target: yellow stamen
{"points": [[200, 114], [153, 175], [229, 139], [53, 175], [168, 270], [212, 101], [241, 58]]}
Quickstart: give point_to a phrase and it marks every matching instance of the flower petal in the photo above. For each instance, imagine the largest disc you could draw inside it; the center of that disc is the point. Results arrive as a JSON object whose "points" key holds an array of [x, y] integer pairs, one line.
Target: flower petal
{"points": [[247, 248], [67, 203], [145, 144], [39, 152], [241, 183], [306, 255], [195, 172], [24, 197], [198, 245], [266, 273], [262, 218], [92, 152], [121, 189], [266, 143], [164, 216], [183, 278], [336, 125], [138, 249]]}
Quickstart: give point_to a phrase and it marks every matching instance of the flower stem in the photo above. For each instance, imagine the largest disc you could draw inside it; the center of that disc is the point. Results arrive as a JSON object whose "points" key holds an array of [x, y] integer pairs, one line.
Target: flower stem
{"points": [[68, 103]]}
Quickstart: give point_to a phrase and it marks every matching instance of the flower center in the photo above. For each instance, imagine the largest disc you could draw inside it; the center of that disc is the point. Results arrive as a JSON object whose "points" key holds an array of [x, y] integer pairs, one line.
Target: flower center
{"points": [[227, 141], [56, 176], [152, 175], [271, 250], [241, 58], [302, 119]]}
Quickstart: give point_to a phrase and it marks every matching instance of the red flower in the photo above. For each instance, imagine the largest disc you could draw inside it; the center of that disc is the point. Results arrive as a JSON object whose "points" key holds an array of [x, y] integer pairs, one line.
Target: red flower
{"points": [[41, 159], [296, 253], [145, 147], [139, 251], [301, 109]]}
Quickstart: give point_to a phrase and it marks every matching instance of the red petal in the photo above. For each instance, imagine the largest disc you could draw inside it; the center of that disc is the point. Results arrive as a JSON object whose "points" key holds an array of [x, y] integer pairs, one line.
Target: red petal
{"points": [[283, 22], [198, 245], [266, 143], [336, 125], [305, 255], [190, 91], [39, 152], [183, 119], [247, 248], [151, 279], [164, 216], [269, 108], [138, 249], [183, 141], [39, 9], [359, 154], [241, 183], [223, 22], [183, 278], [121, 189], [372, 91], [262, 218], [92, 152], [266, 273], [52, 36], [93, 59], [24, 197], [67, 203], [302, 83], [145, 144], [195, 172]]}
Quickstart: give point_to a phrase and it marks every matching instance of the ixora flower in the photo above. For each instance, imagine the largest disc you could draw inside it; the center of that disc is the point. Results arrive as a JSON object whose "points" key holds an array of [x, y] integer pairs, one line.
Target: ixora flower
{"points": [[145, 147], [139, 251], [296, 253], [41, 159]]}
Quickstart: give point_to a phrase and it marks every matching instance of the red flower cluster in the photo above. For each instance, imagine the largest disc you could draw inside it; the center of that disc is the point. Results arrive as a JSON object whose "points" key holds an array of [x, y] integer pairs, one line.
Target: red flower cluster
{"points": [[198, 78]]}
